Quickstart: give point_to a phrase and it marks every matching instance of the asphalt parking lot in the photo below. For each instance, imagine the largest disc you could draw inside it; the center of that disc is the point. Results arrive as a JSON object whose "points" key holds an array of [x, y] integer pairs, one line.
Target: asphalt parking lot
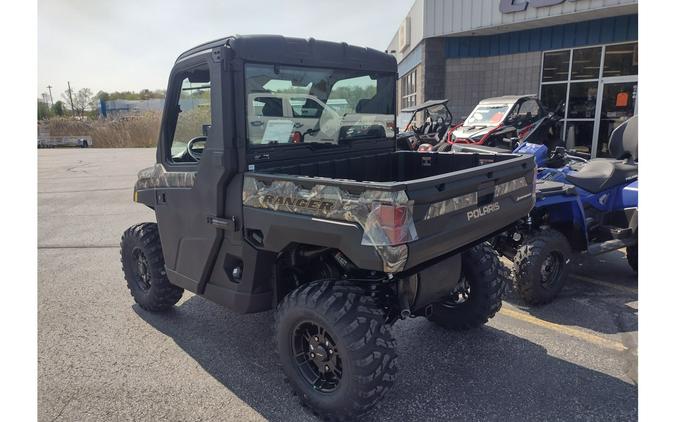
{"points": [[100, 357]]}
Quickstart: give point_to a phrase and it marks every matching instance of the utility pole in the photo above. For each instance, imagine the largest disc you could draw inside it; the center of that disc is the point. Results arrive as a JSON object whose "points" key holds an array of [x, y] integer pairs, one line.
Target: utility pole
{"points": [[70, 95], [49, 87]]}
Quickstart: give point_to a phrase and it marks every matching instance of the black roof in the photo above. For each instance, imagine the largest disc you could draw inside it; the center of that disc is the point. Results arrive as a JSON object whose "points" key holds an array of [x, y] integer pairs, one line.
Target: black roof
{"points": [[300, 51], [424, 105]]}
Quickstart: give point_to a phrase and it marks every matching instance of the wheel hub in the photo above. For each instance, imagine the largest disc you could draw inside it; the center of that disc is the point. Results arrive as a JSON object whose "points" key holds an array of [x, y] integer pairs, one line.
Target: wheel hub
{"points": [[317, 357], [142, 269], [551, 269], [459, 295]]}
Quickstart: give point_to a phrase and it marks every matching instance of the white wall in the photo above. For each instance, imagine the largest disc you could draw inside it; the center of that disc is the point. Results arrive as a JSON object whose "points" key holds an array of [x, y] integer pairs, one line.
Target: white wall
{"points": [[447, 17], [434, 18]]}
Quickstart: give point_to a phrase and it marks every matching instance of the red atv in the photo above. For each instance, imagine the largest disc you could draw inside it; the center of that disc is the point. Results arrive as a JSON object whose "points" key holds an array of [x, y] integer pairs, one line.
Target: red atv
{"points": [[504, 122]]}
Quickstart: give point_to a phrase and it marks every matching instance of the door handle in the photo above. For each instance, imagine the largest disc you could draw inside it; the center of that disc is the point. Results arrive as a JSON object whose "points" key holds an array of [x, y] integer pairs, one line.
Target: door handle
{"points": [[222, 223]]}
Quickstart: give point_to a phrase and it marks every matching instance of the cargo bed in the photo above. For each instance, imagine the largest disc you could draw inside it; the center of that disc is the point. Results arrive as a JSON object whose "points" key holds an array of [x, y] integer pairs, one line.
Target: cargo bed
{"points": [[455, 199]]}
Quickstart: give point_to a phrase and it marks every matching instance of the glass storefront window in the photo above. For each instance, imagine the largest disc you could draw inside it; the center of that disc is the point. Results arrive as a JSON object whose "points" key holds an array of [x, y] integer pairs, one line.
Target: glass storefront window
{"points": [[621, 60], [618, 105], [409, 89], [583, 99], [586, 63], [579, 136], [556, 66], [591, 115], [552, 95]]}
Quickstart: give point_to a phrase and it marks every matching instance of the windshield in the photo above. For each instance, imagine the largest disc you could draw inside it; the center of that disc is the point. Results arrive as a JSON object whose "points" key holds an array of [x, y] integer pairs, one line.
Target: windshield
{"points": [[487, 115], [288, 105], [438, 111]]}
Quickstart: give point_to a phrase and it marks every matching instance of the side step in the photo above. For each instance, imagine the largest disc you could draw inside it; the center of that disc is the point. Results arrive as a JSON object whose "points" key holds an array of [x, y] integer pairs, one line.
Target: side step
{"points": [[616, 232], [608, 246]]}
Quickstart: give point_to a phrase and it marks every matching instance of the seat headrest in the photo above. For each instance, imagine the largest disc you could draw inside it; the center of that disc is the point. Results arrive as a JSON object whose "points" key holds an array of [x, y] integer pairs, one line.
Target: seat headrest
{"points": [[361, 105], [272, 108], [624, 140]]}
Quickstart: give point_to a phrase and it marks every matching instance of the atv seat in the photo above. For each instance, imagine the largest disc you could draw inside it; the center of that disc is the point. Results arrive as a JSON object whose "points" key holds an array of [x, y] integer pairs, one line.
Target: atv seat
{"points": [[604, 173]]}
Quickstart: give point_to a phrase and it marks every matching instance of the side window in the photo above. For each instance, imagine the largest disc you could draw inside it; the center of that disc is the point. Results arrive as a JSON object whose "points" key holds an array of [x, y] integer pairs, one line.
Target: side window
{"points": [[192, 116], [271, 107], [529, 110], [305, 107]]}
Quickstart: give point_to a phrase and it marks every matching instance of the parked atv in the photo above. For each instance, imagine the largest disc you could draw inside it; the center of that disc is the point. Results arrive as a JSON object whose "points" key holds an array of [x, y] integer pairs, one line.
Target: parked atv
{"points": [[583, 206], [342, 235], [505, 122], [436, 123]]}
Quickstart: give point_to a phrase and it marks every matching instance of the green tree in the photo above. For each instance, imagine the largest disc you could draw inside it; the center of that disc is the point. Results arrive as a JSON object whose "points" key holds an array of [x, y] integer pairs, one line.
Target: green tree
{"points": [[145, 94], [83, 100], [59, 109], [102, 95], [43, 110]]}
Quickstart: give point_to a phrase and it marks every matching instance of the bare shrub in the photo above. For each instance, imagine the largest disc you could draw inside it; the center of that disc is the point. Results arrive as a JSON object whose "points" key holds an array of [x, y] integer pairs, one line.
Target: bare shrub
{"points": [[136, 131]]}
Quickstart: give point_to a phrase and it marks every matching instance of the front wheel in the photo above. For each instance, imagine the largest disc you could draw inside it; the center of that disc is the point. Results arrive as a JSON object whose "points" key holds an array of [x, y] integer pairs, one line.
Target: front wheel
{"points": [[143, 266], [478, 296], [335, 348], [632, 256], [540, 266]]}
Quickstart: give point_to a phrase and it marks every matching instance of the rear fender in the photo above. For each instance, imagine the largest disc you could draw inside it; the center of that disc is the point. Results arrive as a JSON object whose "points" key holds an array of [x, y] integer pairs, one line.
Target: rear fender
{"points": [[566, 214], [628, 197]]}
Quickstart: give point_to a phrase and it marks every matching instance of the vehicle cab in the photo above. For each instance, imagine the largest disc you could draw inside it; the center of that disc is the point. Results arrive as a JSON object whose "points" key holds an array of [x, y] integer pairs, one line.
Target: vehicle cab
{"points": [[496, 118]]}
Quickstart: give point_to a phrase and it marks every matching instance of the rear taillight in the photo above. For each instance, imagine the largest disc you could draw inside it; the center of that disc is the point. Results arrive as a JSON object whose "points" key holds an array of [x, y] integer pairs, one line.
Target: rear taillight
{"points": [[296, 137], [394, 222]]}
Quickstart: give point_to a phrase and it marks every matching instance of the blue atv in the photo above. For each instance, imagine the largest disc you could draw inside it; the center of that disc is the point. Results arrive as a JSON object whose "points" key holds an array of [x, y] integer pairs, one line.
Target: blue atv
{"points": [[582, 206]]}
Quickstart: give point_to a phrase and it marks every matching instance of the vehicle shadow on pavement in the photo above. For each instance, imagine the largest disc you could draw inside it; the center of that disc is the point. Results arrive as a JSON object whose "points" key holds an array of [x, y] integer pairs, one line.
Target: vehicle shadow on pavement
{"points": [[484, 374], [605, 304]]}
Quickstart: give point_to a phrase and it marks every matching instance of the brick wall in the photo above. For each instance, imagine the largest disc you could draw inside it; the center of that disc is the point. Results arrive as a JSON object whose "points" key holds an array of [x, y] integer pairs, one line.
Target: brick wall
{"points": [[469, 80], [433, 66]]}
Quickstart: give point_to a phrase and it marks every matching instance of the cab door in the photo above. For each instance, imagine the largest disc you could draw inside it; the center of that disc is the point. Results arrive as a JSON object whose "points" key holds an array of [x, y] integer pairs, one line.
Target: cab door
{"points": [[191, 151]]}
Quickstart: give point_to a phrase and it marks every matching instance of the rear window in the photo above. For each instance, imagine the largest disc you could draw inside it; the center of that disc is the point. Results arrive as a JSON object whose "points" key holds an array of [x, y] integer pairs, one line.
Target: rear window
{"points": [[287, 105]]}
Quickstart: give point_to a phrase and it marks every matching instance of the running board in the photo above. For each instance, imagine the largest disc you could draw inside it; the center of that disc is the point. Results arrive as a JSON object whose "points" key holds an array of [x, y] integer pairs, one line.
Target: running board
{"points": [[608, 246]]}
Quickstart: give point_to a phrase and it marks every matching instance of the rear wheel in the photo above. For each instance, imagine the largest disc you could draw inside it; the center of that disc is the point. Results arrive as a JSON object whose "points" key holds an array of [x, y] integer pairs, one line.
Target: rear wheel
{"points": [[335, 348], [540, 266], [143, 266], [632, 256], [478, 296]]}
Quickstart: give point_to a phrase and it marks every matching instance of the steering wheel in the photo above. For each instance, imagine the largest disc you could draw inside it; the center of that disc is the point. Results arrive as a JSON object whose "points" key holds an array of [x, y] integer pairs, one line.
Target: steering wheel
{"points": [[193, 148]]}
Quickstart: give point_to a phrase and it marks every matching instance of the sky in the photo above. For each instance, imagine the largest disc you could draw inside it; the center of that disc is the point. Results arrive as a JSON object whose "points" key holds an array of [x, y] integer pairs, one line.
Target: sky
{"points": [[119, 45]]}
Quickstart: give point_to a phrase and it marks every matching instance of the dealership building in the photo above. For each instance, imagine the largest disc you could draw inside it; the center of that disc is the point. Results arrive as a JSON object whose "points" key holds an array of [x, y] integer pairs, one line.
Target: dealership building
{"points": [[583, 53]]}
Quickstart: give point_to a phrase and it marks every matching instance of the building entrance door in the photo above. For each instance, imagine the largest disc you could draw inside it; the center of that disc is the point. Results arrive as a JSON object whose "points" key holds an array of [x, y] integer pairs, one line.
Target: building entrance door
{"points": [[617, 102]]}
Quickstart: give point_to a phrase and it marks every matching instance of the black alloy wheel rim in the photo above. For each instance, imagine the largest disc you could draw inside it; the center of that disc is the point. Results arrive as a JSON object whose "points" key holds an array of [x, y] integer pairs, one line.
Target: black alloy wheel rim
{"points": [[316, 357], [460, 295], [551, 269], [142, 269]]}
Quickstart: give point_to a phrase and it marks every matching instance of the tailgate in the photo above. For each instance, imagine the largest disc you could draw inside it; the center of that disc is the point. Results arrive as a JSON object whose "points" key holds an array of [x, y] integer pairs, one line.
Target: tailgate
{"points": [[455, 209]]}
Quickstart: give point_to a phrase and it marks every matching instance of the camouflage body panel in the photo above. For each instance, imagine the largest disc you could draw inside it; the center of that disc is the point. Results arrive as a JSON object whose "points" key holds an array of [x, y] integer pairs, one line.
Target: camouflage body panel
{"points": [[333, 203], [394, 258], [157, 177]]}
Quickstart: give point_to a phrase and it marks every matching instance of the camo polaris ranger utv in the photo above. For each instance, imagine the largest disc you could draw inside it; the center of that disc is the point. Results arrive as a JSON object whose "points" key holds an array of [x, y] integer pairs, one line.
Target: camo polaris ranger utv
{"points": [[266, 200]]}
